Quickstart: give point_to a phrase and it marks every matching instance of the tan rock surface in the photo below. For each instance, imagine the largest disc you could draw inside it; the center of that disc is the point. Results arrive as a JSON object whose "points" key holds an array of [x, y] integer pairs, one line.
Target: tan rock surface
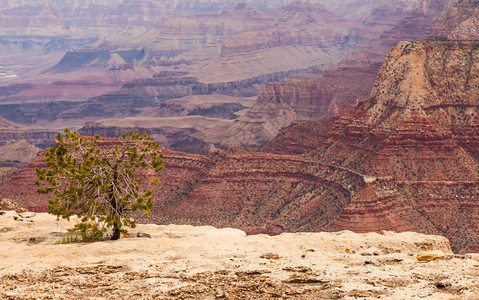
{"points": [[186, 262], [19, 153], [7, 204]]}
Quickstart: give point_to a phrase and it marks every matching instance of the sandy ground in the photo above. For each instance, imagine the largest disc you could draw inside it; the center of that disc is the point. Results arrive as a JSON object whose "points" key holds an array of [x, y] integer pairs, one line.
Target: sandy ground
{"points": [[186, 262]]}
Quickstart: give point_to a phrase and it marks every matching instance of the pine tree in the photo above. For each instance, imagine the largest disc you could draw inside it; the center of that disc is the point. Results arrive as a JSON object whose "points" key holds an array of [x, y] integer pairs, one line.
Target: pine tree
{"points": [[102, 186]]}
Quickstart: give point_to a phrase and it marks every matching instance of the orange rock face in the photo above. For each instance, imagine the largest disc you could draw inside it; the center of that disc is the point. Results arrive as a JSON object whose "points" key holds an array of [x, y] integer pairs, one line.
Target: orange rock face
{"points": [[404, 160]]}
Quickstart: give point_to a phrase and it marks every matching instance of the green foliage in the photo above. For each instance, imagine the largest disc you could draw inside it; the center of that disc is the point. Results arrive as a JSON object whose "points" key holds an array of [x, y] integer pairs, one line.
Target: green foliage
{"points": [[101, 186], [70, 238], [79, 237]]}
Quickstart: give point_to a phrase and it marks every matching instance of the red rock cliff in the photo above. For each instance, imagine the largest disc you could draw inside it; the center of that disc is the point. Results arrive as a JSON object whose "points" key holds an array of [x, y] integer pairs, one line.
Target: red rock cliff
{"points": [[459, 22], [406, 159], [415, 144]]}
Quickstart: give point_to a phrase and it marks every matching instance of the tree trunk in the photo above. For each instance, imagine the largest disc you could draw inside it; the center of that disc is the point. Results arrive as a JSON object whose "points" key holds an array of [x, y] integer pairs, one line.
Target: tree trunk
{"points": [[116, 233], [114, 204]]}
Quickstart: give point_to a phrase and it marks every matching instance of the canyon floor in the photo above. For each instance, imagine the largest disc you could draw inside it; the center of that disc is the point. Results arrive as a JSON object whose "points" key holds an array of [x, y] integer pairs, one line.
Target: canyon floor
{"points": [[186, 262]]}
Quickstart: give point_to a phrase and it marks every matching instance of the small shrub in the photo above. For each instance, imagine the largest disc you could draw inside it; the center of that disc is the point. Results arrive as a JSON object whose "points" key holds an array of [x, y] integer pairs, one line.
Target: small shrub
{"points": [[101, 186]]}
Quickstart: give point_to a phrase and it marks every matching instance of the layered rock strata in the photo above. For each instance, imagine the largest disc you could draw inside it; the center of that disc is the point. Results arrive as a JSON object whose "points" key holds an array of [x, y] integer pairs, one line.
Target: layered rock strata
{"points": [[281, 103], [413, 142], [406, 159], [346, 82], [459, 22]]}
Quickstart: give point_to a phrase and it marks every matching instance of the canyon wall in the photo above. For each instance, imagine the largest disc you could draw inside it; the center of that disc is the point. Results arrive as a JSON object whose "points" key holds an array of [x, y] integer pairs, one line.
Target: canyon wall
{"points": [[345, 83], [414, 143], [459, 22], [406, 159]]}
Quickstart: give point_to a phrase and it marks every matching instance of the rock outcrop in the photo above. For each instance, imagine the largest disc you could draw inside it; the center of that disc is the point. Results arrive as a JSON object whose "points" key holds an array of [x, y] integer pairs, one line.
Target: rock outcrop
{"points": [[7, 204], [205, 262], [459, 22]]}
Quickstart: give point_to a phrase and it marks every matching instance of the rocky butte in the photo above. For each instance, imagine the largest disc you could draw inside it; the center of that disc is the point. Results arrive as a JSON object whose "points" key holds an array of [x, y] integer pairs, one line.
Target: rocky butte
{"points": [[404, 160], [413, 145]]}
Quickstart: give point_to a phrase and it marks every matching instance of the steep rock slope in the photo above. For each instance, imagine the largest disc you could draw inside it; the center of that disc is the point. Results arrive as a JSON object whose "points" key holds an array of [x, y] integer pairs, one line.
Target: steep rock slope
{"points": [[349, 80], [460, 22], [414, 142], [405, 160], [281, 103]]}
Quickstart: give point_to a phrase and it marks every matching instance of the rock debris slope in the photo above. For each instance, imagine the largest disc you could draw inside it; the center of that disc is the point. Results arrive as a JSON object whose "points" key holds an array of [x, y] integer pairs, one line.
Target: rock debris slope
{"points": [[404, 160], [185, 262]]}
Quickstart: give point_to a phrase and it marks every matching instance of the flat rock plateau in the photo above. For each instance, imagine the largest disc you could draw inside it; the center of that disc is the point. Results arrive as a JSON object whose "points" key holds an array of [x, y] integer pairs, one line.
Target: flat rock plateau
{"points": [[187, 262]]}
